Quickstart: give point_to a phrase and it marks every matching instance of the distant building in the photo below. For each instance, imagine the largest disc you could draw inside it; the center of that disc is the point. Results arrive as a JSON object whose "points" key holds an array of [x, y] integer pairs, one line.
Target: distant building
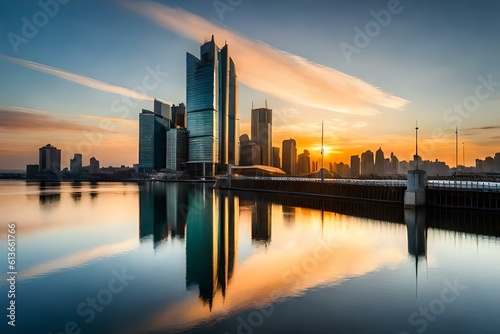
{"points": [[94, 165], [394, 164], [379, 162], [49, 158], [31, 171], [262, 122], [177, 149], [304, 163], [250, 152], [276, 157], [289, 156], [212, 110], [367, 164], [179, 116], [153, 129], [75, 164], [341, 169], [355, 164]]}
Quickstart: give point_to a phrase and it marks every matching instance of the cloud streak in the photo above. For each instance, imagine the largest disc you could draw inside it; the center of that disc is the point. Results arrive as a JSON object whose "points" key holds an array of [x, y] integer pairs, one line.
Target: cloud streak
{"points": [[79, 79], [25, 120], [267, 69]]}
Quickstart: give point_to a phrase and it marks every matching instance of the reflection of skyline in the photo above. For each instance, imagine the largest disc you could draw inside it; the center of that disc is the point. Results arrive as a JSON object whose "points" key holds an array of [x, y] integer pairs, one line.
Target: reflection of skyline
{"points": [[211, 245], [261, 217], [163, 211]]}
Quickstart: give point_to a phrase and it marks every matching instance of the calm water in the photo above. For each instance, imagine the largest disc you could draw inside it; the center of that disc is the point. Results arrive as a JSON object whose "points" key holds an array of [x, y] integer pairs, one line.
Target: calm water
{"points": [[162, 258]]}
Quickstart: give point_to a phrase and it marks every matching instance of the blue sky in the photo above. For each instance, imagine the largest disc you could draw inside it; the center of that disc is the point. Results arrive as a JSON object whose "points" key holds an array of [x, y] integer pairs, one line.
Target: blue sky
{"points": [[430, 53]]}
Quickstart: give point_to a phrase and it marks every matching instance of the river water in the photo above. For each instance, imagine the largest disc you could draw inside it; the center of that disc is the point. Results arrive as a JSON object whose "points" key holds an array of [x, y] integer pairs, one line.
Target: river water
{"points": [[177, 257]]}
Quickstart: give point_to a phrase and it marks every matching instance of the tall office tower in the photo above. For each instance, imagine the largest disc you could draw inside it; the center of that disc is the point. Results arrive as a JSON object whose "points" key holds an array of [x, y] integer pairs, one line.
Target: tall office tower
{"points": [[289, 156], [153, 129], [262, 133], [367, 165], [179, 116], [49, 158], [304, 163], [212, 110], [379, 162], [75, 164], [177, 149], [276, 157], [355, 162], [394, 164], [94, 165]]}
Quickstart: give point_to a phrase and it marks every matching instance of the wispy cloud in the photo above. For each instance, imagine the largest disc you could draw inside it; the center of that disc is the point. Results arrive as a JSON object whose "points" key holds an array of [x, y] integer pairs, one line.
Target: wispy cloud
{"points": [[79, 79], [267, 69], [25, 120]]}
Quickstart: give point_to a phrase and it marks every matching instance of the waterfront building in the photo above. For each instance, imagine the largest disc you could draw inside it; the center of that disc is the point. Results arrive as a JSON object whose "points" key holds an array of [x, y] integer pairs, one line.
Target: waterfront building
{"points": [[355, 164], [304, 163], [212, 110], [94, 165], [276, 157], [367, 164], [49, 158], [379, 162], [31, 171], [261, 126], [75, 164], [289, 156], [153, 127]]}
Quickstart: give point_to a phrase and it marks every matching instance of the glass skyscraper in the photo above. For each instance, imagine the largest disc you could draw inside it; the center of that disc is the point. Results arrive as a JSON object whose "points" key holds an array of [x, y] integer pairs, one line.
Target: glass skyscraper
{"points": [[212, 110]]}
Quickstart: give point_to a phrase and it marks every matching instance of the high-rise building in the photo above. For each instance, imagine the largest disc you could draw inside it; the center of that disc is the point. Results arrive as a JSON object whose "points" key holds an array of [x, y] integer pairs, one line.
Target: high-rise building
{"points": [[289, 156], [355, 162], [276, 157], [153, 129], [49, 158], [75, 164], [94, 165], [250, 152], [367, 164], [31, 171], [380, 162], [304, 163], [212, 110], [179, 116], [177, 149], [394, 164], [262, 133]]}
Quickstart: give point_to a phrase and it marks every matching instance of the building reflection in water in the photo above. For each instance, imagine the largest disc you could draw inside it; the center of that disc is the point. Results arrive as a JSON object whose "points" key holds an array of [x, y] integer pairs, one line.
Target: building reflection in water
{"points": [[163, 211], [211, 241], [416, 226], [50, 194], [261, 217]]}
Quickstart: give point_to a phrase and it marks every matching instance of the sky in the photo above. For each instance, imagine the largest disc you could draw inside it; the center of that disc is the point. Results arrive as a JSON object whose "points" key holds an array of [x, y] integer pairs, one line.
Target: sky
{"points": [[76, 73]]}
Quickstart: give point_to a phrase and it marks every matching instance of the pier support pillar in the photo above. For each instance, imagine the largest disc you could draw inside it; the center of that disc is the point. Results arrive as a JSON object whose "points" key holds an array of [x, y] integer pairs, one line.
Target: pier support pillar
{"points": [[415, 190]]}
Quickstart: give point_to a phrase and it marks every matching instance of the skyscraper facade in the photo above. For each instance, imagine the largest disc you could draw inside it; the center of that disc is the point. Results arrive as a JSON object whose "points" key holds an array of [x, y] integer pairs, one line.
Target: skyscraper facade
{"points": [[289, 156], [75, 164], [212, 110], [367, 164], [276, 157], [177, 149], [49, 158], [262, 122], [355, 162], [94, 165], [304, 163], [380, 162], [153, 127]]}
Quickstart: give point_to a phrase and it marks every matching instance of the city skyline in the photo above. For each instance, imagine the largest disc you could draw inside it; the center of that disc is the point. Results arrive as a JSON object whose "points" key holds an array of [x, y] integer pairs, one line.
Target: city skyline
{"points": [[436, 79]]}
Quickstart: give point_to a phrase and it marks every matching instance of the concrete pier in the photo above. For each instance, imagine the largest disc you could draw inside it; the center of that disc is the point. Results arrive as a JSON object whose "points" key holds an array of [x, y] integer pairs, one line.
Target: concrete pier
{"points": [[415, 192]]}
